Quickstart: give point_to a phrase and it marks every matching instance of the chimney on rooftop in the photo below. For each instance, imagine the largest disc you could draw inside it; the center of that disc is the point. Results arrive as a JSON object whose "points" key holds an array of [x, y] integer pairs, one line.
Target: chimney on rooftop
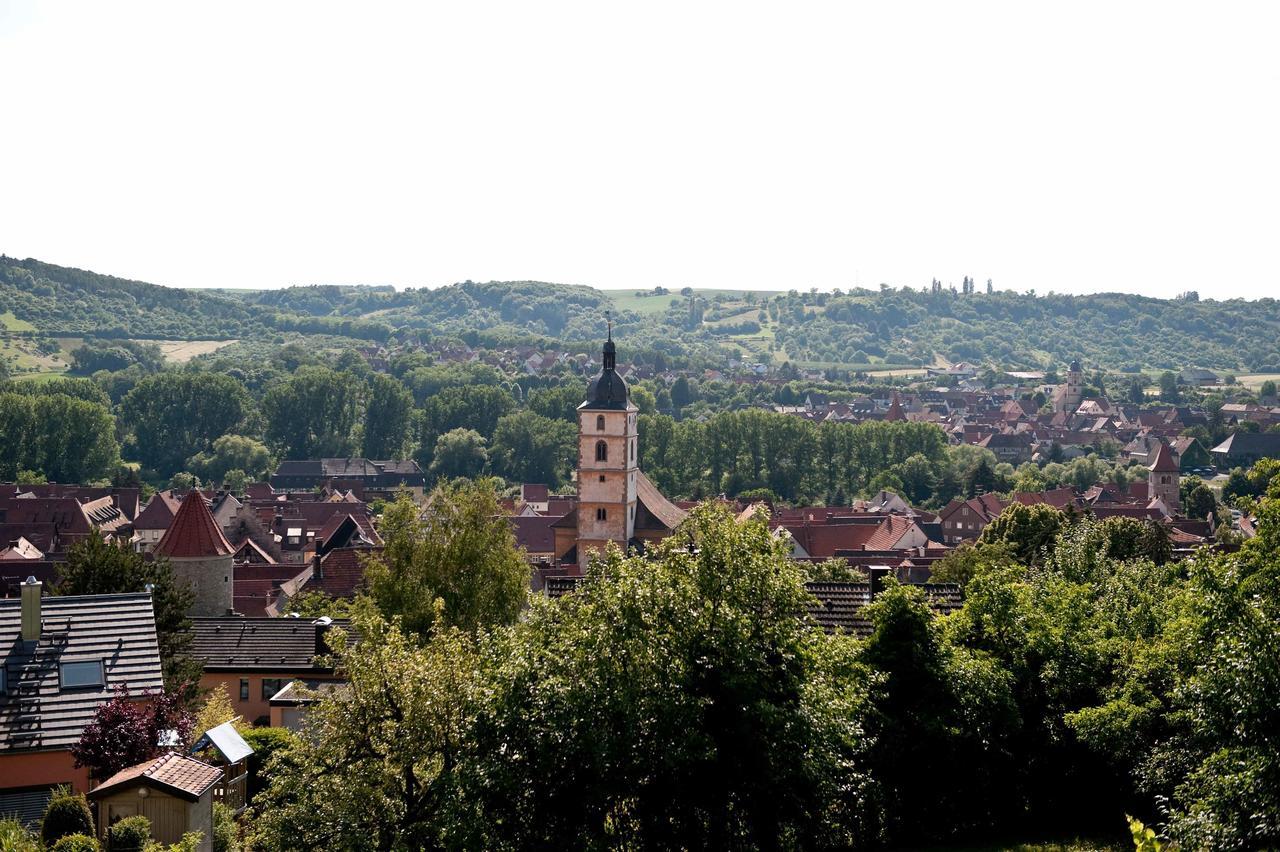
{"points": [[31, 590], [877, 575], [322, 625]]}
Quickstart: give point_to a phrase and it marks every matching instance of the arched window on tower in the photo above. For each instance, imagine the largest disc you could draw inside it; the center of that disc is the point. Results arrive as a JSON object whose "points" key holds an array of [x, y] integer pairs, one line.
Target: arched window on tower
{"points": [[599, 422], [602, 451]]}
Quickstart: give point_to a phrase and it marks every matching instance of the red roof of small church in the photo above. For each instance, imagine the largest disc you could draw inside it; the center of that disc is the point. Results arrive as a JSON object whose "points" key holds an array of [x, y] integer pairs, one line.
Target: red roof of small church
{"points": [[193, 532], [1164, 462]]}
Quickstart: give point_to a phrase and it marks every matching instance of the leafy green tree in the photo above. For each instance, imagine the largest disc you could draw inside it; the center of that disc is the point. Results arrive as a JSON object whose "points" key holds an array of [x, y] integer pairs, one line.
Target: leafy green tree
{"points": [[531, 448], [459, 549], [1197, 499], [1027, 531], [1169, 390], [459, 453], [968, 560], [559, 402], [98, 567], [57, 436], [1267, 389], [940, 721], [233, 452], [387, 418], [678, 702], [1229, 796], [382, 767], [475, 407], [313, 413], [171, 416]]}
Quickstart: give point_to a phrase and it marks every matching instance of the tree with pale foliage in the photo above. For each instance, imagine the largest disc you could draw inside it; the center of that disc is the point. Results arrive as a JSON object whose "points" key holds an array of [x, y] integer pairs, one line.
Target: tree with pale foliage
{"points": [[378, 765], [216, 710], [459, 549]]}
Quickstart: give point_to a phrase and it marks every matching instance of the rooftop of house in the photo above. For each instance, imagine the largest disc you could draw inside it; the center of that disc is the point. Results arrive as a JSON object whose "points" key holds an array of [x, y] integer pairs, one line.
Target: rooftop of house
{"points": [[836, 607], [88, 646], [234, 643], [177, 774]]}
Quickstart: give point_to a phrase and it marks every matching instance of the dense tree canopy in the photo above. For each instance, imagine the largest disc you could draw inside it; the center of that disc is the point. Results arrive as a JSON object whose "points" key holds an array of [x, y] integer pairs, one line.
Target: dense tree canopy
{"points": [[173, 415]]}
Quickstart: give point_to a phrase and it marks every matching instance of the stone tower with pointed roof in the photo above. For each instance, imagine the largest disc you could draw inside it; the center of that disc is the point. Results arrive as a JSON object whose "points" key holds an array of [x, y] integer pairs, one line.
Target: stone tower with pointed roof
{"points": [[200, 555], [607, 461], [1067, 398], [1163, 482]]}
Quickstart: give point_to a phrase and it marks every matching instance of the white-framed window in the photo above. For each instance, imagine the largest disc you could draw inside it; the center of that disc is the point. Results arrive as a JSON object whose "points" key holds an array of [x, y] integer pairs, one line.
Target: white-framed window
{"points": [[81, 674]]}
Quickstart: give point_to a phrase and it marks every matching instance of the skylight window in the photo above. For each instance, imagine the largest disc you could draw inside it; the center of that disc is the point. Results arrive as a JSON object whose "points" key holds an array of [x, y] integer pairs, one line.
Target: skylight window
{"points": [[81, 674]]}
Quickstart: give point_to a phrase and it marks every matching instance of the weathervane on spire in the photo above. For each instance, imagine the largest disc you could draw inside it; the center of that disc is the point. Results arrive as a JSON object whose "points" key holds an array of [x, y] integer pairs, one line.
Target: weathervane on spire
{"points": [[608, 319]]}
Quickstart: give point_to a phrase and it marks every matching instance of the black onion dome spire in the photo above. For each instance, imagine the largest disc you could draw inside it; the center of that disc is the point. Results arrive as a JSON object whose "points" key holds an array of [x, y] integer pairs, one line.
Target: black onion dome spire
{"points": [[1074, 366], [607, 390]]}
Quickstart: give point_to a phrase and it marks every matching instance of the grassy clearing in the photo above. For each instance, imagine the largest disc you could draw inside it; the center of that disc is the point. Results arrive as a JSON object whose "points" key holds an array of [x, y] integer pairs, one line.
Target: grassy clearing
{"points": [[26, 360], [648, 303], [182, 351], [9, 322], [1253, 381]]}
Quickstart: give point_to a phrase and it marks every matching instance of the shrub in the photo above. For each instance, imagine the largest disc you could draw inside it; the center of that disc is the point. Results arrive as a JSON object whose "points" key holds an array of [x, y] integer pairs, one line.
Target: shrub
{"points": [[14, 837], [75, 843], [265, 742], [131, 834], [67, 813], [225, 836]]}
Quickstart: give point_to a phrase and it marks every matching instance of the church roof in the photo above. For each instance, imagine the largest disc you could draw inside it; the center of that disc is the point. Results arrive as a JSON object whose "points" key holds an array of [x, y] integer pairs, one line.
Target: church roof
{"points": [[194, 532], [663, 510], [1164, 461], [608, 391]]}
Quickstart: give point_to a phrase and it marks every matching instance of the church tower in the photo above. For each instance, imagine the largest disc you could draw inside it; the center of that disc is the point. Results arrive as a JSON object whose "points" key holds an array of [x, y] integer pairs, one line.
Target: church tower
{"points": [[200, 555], [1163, 483], [607, 461], [1072, 393]]}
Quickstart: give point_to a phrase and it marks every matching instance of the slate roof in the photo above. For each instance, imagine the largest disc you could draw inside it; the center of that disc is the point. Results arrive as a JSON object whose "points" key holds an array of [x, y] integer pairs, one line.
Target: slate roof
{"points": [[119, 630], [662, 509], [1242, 445], [837, 606], [193, 532], [232, 643], [177, 774]]}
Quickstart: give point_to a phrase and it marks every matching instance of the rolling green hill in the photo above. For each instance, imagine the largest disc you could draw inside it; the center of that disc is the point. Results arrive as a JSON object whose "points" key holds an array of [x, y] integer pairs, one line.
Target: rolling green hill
{"points": [[862, 328]]}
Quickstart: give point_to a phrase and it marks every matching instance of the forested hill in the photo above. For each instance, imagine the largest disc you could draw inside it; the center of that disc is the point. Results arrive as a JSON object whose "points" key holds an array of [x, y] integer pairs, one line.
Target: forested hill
{"points": [[855, 329], [61, 300]]}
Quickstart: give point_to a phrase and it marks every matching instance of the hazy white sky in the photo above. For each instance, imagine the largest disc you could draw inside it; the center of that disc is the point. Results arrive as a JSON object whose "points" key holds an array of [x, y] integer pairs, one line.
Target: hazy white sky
{"points": [[1069, 147]]}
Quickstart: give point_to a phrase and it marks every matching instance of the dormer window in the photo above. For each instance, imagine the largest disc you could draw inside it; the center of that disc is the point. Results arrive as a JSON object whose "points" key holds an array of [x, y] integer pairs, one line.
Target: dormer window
{"points": [[602, 451], [82, 674], [599, 422]]}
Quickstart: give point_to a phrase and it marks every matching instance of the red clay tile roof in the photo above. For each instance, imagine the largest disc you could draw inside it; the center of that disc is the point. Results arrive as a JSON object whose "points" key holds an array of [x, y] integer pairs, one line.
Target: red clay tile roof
{"points": [[173, 773], [1164, 462], [159, 512], [342, 571], [194, 532]]}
